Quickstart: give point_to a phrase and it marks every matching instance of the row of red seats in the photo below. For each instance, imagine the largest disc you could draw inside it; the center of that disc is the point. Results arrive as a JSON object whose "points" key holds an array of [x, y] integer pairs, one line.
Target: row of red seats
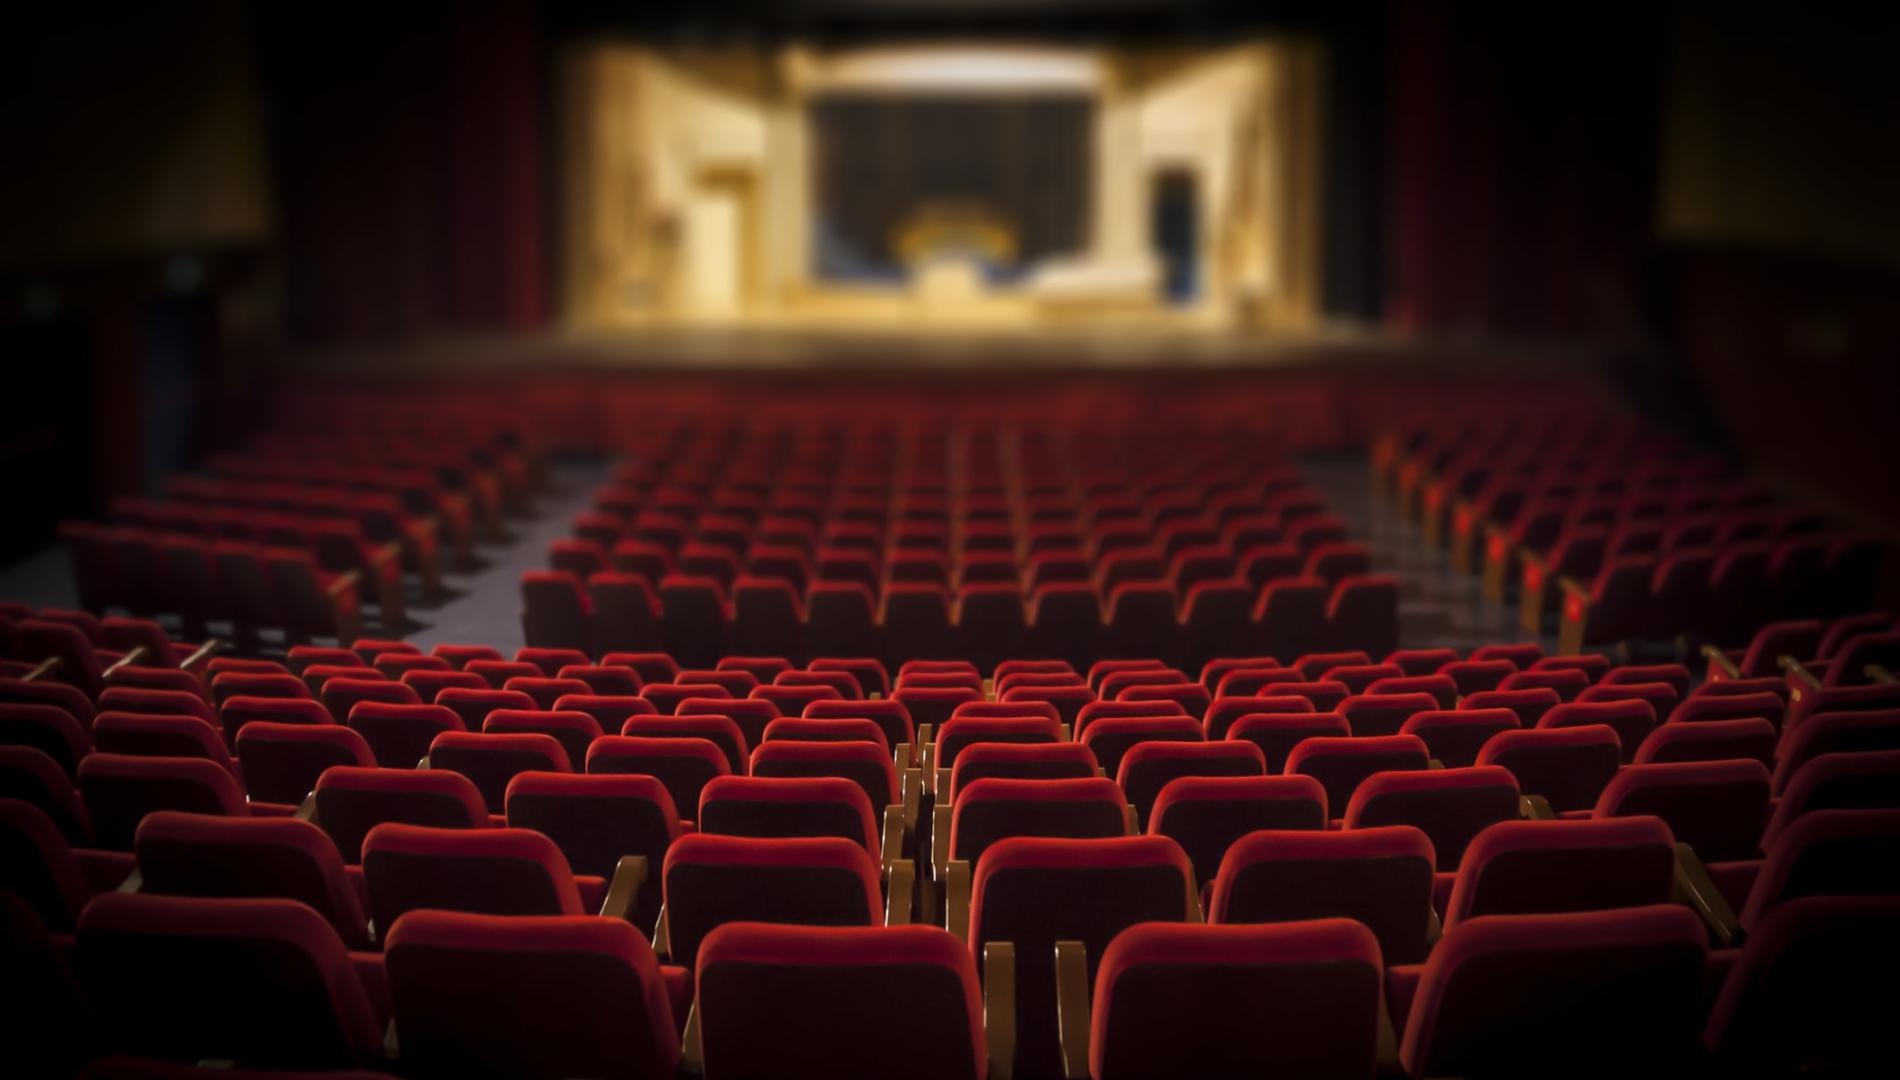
{"points": [[1594, 525], [1320, 666], [250, 585], [1256, 545], [339, 545], [1568, 751], [380, 515], [81, 650], [1717, 596], [695, 619], [1641, 967], [423, 496]]}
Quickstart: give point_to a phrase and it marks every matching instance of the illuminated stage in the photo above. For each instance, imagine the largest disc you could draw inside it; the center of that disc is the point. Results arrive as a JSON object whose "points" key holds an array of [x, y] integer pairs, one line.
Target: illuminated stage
{"points": [[983, 188]]}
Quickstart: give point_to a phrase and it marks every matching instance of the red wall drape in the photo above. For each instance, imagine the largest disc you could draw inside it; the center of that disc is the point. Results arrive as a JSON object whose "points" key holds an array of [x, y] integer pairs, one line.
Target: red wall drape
{"points": [[1522, 168], [409, 148]]}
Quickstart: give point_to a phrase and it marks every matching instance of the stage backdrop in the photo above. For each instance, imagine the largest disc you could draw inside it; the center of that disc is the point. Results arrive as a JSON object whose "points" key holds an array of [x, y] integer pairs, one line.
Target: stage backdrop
{"points": [[880, 159]]}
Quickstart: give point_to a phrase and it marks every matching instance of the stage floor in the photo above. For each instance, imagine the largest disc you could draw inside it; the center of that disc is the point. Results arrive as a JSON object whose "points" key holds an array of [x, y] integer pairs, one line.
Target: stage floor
{"points": [[884, 349]]}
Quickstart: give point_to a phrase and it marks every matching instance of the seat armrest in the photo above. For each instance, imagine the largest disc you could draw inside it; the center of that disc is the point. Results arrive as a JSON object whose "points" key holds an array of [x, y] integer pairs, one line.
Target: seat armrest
{"points": [[1694, 887], [999, 1007], [1799, 677], [692, 1053], [893, 838], [1574, 617], [1386, 1059], [662, 936], [1072, 1008], [1721, 661], [911, 784], [131, 659], [1401, 986], [901, 757], [202, 654], [1878, 673], [105, 870], [940, 819], [41, 670], [1533, 585], [956, 900], [630, 873], [900, 892], [134, 882], [1131, 821], [307, 809], [340, 583], [1534, 808], [940, 784], [1497, 560]]}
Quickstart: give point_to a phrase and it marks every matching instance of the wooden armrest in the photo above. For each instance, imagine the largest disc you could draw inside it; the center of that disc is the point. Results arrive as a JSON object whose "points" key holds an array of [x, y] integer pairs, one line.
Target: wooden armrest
{"points": [[893, 842], [1497, 559], [381, 555], [940, 818], [1534, 808], [956, 900], [1434, 763], [41, 670], [1072, 1008], [900, 892], [1387, 1058], [307, 809], [1720, 661], [692, 1053], [999, 1007], [911, 784], [392, 1049], [1063, 731], [662, 936], [1694, 887], [130, 659], [203, 653], [629, 874], [940, 785], [134, 882], [1798, 673], [901, 757], [343, 582], [423, 762], [1434, 926], [1878, 673], [1533, 586], [1573, 616], [1130, 820]]}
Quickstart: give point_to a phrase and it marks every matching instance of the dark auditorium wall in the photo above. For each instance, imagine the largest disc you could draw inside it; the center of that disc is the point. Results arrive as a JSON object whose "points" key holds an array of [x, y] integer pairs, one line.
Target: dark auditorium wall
{"points": [[410, 158], [1522, 163], [136, 302], [1780, 229]]}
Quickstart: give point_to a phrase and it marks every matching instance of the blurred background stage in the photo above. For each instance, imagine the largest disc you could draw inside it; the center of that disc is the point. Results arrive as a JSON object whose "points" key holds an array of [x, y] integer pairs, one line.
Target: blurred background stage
{"points": [[1686, 204]]}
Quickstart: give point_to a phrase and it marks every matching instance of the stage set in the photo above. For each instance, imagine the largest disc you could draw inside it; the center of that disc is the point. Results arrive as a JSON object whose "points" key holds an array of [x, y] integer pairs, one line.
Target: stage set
{"points": [[976, 187]]}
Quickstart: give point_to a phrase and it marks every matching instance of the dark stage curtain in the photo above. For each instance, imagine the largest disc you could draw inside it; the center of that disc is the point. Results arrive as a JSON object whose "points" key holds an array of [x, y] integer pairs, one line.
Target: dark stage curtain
{"points": [[1026, 160]]}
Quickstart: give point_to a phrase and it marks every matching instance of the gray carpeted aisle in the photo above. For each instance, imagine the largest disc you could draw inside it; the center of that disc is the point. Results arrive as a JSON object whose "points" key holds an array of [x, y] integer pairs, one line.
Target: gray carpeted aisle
{"points": [[486, 609]]}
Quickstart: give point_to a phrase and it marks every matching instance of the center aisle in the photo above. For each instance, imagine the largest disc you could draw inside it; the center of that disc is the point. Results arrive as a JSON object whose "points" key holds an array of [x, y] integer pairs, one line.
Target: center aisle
{"points": [[487, 603], [1438, 607]]}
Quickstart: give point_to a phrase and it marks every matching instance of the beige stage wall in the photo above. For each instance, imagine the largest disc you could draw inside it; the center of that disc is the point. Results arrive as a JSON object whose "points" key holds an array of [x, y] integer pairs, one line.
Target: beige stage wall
{"points": [[687, 183]]}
